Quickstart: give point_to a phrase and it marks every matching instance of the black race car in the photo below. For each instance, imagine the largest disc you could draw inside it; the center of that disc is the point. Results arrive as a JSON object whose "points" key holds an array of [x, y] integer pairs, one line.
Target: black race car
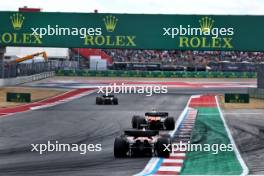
{"points": [[135, 143], [154, 120], [106, 100]]}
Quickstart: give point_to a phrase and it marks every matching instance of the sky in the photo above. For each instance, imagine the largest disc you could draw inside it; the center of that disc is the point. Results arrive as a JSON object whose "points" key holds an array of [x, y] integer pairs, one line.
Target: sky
{"points": [[240, 7]]}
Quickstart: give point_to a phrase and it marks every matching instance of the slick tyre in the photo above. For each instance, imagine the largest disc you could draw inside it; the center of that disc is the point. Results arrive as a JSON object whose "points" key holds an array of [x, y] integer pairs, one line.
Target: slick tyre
{"points": [[169, 123], [120, 148], [141, 122], [163, 151], [99, 101], [115, 101], [134, 121]]}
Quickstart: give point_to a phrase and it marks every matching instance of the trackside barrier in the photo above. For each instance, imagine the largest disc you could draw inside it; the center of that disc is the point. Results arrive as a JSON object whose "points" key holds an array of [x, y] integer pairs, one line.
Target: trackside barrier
{"points": [[25, 79], [156, 74], [256, 93]]}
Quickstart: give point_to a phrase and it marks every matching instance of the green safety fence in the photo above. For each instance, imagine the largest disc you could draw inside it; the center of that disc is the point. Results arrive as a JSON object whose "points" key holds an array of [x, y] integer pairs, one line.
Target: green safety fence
{"points": [[156, 74], [220, 159]]}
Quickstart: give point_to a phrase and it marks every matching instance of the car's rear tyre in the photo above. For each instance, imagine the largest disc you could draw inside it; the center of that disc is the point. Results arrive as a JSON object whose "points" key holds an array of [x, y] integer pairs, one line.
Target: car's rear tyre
{"points": [[134, 121], [141, 121], [162, 146], [169, 123], [166, 135], [115, 101], [120, 148], [99, 101]]}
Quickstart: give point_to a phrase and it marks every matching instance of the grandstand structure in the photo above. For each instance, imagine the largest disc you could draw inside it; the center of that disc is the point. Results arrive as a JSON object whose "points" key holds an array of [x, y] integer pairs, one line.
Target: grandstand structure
{"points": [[137, 59], [175, 60]]}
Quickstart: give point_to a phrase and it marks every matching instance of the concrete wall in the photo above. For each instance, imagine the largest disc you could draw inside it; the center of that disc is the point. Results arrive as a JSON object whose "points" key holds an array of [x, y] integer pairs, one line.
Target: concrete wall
{"points": [[261, 76], [97, 63], [25, 79], [256, 93]]}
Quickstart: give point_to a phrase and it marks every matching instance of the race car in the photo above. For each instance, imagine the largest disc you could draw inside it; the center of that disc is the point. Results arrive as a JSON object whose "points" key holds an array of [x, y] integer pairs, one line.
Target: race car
{"points": [[154, 120], [135, 143], [107, 100]]}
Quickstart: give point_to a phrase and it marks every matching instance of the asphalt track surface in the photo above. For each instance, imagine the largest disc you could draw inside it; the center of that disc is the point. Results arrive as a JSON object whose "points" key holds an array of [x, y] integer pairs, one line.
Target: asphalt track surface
{"points": [[79, 121]]}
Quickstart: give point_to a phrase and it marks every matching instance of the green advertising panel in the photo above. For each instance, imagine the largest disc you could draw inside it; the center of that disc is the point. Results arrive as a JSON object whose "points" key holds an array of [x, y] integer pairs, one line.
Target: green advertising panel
{"points": [[236, 98], [133, 31], [18, 97], [156, 74]]}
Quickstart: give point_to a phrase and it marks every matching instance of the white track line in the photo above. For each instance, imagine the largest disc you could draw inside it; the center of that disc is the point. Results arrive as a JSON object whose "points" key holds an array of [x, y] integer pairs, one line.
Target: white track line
{"points": [[62, 101], [170, 168], [178, 154], [173, 161], [240, 159], [154, 161]]}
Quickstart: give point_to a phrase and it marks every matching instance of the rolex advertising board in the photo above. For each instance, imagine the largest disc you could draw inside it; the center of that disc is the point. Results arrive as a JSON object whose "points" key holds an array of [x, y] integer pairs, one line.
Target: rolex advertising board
{"points": [[133, 31]]}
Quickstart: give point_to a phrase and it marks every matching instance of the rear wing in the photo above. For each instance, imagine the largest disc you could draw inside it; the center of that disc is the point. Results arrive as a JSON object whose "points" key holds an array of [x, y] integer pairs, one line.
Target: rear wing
{"points": [[141, 133], [107, 96], [160, 114]]}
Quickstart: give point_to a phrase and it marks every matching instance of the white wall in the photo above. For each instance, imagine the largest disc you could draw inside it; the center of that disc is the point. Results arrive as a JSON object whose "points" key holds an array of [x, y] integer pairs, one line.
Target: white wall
{"points": [[25, 79], [97, 63]]}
